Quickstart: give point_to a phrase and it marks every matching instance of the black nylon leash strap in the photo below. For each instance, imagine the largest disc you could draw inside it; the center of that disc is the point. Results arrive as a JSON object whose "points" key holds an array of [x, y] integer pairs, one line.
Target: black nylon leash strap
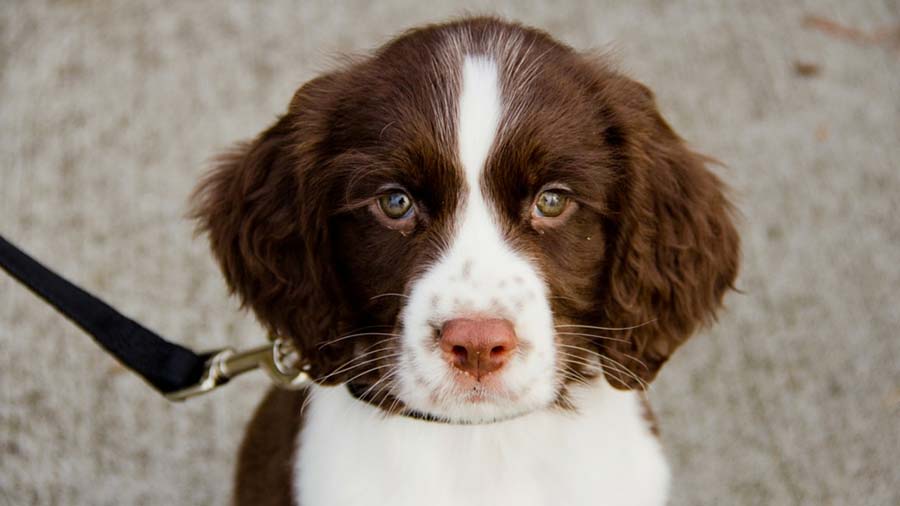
{"points": [[167, 366]]}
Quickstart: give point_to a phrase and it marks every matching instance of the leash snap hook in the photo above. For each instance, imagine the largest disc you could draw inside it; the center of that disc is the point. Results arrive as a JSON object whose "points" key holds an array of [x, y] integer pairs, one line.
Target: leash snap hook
{"points": [[215, 375], [281, 365], [276, 359]]}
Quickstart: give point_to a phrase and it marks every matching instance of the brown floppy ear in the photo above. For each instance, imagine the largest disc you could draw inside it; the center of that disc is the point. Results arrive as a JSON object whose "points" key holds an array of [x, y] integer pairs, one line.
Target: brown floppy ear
{"points": [[675, 251], [267, 229]]}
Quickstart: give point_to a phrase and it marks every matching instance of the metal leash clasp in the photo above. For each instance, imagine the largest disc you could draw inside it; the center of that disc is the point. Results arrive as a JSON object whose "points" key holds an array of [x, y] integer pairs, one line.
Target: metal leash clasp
{"points": [[278, 359]]}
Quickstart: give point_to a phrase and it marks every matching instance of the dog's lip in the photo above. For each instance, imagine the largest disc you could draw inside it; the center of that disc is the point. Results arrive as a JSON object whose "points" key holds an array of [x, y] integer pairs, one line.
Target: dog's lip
{"points": [[490, 393], [474, 397], [472, 390], [436, 409], [489, 382]]}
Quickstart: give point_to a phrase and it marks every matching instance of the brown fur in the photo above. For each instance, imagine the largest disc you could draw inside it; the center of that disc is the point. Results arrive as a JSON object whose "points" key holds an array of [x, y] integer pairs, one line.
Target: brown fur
{"points": [[648, 254], [264, 473], [653, 246]]}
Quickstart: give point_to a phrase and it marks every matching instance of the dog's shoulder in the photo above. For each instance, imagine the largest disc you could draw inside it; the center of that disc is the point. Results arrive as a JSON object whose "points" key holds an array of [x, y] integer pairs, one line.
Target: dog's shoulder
{"points": [[264, 473]]}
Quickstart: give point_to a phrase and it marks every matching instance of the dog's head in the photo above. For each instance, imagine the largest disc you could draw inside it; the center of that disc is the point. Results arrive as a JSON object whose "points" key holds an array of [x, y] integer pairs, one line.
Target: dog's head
{"points": [[469, 221]]}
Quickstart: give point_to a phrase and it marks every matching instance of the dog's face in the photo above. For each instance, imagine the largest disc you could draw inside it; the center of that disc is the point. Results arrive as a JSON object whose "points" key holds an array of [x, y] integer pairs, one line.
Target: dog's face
{"points": [[470, 221]]}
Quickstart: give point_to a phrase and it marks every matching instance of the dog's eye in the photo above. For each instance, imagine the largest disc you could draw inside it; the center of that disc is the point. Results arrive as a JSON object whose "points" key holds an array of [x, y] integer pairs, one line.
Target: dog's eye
{"points": [[550, 204], [396, 205]]}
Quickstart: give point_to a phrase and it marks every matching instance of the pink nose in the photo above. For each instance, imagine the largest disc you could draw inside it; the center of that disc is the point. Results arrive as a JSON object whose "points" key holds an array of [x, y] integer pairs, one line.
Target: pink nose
{"points": [[478, 347]]}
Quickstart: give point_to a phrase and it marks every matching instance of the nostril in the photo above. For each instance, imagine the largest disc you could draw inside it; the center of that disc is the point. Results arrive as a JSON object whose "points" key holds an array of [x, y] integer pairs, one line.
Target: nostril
{"points": [[477, 346]]}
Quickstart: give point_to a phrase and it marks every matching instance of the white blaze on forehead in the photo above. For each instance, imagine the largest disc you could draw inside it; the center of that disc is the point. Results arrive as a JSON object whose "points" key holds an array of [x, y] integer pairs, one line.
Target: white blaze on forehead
{"points": [[479, 115], [478, 274]]}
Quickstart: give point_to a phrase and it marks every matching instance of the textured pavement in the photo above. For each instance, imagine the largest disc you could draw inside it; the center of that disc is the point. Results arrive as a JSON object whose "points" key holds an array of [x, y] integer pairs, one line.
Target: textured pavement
{"points": [[110, 111]]}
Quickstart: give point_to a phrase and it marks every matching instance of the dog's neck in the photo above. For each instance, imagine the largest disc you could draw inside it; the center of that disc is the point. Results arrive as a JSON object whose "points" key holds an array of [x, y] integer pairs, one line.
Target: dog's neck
{"points": [[603, 452]]}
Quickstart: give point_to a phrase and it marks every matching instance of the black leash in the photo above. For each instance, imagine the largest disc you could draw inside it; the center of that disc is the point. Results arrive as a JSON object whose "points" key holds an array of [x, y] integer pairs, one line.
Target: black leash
{"points": [[165, 365], [173, 370]]}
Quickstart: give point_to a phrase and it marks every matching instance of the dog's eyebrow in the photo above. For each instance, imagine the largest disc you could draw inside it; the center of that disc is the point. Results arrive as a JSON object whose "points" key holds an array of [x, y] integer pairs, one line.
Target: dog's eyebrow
{"points": [[586, 177]]}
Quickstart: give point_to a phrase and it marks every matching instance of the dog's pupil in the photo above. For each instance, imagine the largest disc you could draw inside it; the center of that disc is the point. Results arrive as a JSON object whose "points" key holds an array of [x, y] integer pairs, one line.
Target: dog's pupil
{"points": [[550, 203], [395, 204]]}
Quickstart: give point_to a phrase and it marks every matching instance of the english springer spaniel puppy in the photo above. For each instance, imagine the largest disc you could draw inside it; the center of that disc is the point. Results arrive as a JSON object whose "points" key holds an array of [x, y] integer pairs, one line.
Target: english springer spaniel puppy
{"points": [[484, 245]]}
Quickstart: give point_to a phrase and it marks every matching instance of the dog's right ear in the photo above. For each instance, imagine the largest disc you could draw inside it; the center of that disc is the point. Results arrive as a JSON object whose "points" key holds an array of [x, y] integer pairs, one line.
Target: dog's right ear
{"points": [[267, 229], [677, 251]]}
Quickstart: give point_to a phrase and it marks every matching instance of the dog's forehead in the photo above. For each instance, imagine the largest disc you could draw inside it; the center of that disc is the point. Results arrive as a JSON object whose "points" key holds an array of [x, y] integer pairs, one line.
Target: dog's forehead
{"points": [[447, 111], [426, 99]]}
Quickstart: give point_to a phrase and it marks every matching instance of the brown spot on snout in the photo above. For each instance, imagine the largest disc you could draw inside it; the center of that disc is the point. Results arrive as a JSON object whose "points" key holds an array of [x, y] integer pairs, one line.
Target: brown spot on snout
{"points": [[467, 269]]}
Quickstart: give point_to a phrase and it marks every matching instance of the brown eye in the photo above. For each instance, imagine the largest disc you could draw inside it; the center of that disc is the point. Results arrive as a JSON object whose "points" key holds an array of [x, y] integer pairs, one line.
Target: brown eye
{"points": [[396, 205], [550, 204]]}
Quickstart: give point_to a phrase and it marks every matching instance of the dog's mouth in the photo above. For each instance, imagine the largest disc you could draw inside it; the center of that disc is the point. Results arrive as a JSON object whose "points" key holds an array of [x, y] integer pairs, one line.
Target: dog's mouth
{"points": [[405, 371], [451, 396], [417, 381], [436, 391]]}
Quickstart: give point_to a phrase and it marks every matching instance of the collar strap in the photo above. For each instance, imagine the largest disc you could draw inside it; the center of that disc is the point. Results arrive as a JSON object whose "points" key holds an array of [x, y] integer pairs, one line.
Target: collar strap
{"points": [[359, 392]]}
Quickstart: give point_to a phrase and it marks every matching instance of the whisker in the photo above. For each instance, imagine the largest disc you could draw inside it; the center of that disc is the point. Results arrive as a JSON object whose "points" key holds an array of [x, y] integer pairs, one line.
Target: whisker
{"points": [[361, 334], [367, 327], [576, 347], [611, 364], [574, 378], [389, 295], [381, 325], [575, 359], [351, 368], [594, 352], [381, 346], [616, 366], [595, 336], [346, 366], [367, 371], [390, 373], [619, 381], [310, 392], [394, 403], [386, 383], [639, 361], [563, 297], [349, 406], [648, 322], [380, 381]]}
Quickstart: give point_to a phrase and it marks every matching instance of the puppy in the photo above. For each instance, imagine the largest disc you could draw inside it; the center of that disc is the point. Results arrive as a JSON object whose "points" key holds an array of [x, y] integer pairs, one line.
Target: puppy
{"points": [[484, 245]]}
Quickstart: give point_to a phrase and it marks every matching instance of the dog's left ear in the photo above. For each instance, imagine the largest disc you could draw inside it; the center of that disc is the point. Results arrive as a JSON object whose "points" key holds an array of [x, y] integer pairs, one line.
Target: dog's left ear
{"points": [[674, 251], [264, 207]]}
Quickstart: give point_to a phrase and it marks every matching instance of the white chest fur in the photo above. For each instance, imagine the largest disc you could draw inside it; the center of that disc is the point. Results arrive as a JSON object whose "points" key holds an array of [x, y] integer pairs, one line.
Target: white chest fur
{"points": [[602, 455]]}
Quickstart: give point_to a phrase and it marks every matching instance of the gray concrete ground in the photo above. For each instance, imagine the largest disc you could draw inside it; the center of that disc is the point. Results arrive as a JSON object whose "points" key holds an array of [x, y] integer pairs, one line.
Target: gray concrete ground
{"points": [[110, 111]]}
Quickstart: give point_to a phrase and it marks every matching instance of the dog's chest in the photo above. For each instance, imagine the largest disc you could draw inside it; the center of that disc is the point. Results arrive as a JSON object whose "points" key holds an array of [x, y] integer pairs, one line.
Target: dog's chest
{"points": [[604, 454]]}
